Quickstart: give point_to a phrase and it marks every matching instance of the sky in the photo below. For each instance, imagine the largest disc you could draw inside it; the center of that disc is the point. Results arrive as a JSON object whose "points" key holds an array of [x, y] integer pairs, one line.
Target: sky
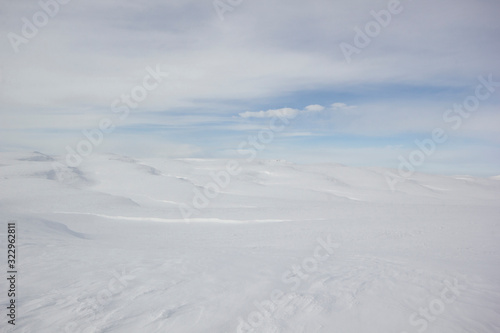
{"points": [[362, 83]]}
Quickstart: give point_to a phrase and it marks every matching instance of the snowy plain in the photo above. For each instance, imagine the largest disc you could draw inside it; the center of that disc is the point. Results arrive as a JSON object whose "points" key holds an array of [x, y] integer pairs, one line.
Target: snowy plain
{"points": [[282, 248]]}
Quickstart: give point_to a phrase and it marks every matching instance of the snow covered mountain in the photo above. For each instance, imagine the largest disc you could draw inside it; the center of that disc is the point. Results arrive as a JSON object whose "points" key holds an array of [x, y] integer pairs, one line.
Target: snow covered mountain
{"points": [[197, 245]]}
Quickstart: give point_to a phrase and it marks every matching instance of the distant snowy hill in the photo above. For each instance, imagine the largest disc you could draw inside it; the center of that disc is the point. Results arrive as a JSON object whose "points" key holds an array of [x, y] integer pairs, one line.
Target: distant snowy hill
{"points": [[118, 244]]}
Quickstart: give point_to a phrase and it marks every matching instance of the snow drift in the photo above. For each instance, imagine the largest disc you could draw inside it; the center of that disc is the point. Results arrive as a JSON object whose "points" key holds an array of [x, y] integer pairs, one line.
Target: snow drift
{"points": [[279, 247]]}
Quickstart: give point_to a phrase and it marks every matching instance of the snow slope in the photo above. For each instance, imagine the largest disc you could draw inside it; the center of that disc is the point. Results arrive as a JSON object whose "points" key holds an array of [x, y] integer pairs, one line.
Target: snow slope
{"points": [[281, 248]]}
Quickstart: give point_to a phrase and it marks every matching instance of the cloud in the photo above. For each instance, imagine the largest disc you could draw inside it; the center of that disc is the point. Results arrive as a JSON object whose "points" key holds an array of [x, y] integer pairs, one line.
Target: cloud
{"points": [[297, 134], [280, 113], [261, 57], [342, 106], [292, 113], [314, 108], [103, 55]]}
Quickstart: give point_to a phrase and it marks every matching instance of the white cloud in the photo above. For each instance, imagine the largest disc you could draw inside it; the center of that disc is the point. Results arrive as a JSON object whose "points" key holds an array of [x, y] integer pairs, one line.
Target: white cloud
{"points": [[281, 113], [314, 108], [297, 134], [291, 113], [104, 56], [342, 106]]}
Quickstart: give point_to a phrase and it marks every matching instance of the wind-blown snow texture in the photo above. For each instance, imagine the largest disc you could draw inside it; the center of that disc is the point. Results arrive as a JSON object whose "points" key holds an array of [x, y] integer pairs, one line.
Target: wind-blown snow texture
{"points": [[283, 248]]}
